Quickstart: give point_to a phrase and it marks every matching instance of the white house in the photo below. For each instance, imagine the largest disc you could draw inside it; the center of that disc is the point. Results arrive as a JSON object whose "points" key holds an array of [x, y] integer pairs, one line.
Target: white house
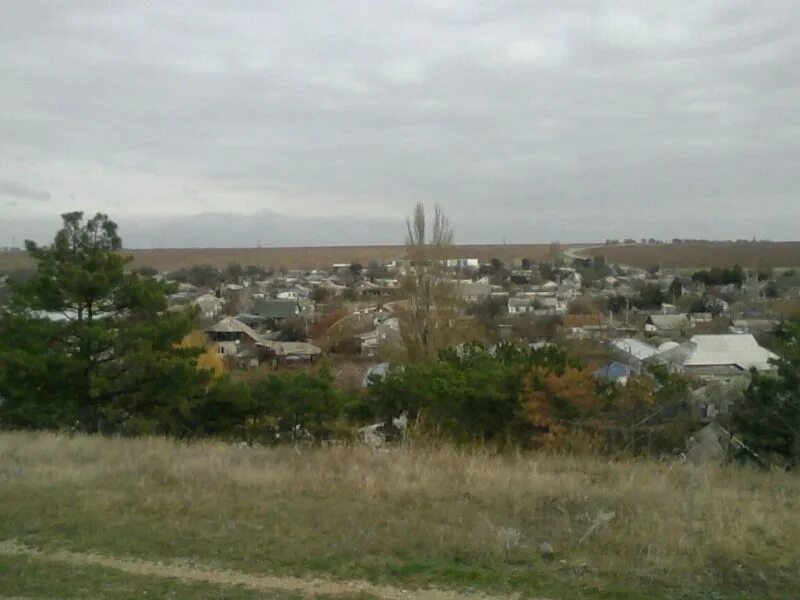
{"points": [[388, 332], [717, 357], [209, 305]]}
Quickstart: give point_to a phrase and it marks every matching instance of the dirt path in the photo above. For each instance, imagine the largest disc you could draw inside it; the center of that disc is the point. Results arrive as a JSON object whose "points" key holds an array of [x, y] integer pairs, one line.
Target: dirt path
{"points": [[196, 573]]}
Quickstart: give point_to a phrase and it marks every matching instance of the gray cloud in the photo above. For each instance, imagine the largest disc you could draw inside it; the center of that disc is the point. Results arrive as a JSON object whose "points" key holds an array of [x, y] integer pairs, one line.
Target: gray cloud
{"points": [[14, 189], [549, 120]]}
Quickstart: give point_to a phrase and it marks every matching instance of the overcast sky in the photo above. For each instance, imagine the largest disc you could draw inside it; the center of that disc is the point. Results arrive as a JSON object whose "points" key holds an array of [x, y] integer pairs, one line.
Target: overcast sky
{"points": [[527, 120]]}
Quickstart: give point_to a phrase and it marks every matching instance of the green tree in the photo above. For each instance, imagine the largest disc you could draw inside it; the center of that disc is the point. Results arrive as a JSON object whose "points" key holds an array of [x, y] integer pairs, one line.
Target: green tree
{"points": [[675, 290], [320, 295], [768, 419], [233, 272], [203, 275], [465, 395], [147, 271], [297, 401], [355, 269], [86, 344]]}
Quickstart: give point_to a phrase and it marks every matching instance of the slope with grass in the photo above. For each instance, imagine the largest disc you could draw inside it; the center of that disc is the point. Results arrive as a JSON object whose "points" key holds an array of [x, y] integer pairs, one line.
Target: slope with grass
{"points": [[376, 523]]}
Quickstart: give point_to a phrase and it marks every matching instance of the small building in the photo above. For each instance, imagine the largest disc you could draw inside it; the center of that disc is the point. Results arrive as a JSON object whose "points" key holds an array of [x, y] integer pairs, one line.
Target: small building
{"points": [[274, 312], [385, 334], [662, 324], [208, 305], [753, 325], [584, 326], [474, 292], [632, 352], [519, 306], [238, 340], [287, 352], [232, 336]]}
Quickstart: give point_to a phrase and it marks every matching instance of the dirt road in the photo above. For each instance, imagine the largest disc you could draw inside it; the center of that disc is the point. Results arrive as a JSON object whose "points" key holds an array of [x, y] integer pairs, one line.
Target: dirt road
{"points": [[198, 573]]}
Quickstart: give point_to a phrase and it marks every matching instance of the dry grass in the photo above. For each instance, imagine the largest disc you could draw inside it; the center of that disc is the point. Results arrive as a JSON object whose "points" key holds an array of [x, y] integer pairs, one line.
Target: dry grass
{"points": [[705, 255], [410, 516], [294, 258]]}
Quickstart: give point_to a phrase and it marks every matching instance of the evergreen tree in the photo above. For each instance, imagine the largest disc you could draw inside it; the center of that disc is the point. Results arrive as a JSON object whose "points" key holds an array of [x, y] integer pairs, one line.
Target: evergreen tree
{"points": [[86, 344], [768, 419]]}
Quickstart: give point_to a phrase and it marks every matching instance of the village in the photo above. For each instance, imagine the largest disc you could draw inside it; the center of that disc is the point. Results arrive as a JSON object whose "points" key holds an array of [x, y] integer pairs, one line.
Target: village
{"points": [[713, 327]]}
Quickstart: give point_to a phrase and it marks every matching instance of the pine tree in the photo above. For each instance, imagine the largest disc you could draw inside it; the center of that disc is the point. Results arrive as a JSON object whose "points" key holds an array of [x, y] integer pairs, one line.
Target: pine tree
{"points": [[88, 345]]}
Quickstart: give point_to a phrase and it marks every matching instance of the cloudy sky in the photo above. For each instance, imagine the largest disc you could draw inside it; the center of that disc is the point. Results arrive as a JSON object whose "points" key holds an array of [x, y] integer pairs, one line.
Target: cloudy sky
{"points": [[229, 123]]}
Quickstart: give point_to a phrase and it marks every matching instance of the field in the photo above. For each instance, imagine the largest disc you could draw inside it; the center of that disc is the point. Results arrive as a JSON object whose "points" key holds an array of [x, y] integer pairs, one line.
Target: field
{"points": [[300, 257], [681, 256], [115, 518], [703, 255]]}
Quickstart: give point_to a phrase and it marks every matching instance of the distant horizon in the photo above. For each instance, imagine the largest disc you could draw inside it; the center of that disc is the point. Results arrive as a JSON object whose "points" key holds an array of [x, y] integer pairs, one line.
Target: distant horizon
{"points": [[269, 229]]}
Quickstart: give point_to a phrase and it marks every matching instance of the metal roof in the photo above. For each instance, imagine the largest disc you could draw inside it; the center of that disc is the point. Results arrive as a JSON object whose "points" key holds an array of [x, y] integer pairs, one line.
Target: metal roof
{"points": [[668, 321], [233, 325], [633, 347], [275, 309], [741, 350]]}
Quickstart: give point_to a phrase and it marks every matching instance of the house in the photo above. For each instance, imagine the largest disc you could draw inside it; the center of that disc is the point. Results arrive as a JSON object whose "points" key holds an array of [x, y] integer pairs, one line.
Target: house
{"points": [[385, 334], [668, 309], [610, 282], [593, 321], [519, 306], [369, 288], [463, 263], [721, 357], [238, 340], [287, 352], [333, 286], [186, 287], [297, 292], [274, 312], [549, 286], [208, 305], [232, 336], [753, 325], [666, 323], [583, 326], [474, 292], [701, 317], [740, 351], [632, 352]]}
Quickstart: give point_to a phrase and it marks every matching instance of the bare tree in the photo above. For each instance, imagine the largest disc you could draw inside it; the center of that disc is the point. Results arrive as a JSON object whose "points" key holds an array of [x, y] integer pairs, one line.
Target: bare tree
{"points": [[431, 311]]}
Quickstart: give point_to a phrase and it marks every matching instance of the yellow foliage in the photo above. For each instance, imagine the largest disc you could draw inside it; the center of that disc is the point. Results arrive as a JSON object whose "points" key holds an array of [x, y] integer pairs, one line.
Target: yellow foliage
{"points": [[638, 392], [209, 360], [546, 393]]}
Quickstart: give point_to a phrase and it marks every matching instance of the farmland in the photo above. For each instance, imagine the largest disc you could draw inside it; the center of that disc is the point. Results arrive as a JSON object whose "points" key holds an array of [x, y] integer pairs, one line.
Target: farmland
{"points": [[681, 256], [208, 519], [703, 255], [296, 257]]}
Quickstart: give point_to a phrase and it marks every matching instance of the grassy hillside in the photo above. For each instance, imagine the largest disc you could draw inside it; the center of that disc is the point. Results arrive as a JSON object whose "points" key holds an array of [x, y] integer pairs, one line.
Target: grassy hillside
{"points": [[191, 519], [704, 255]]}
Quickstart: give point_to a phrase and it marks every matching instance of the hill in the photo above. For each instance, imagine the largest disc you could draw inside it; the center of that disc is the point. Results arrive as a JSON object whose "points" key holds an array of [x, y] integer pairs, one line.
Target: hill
{"points": [[111, 518]]}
